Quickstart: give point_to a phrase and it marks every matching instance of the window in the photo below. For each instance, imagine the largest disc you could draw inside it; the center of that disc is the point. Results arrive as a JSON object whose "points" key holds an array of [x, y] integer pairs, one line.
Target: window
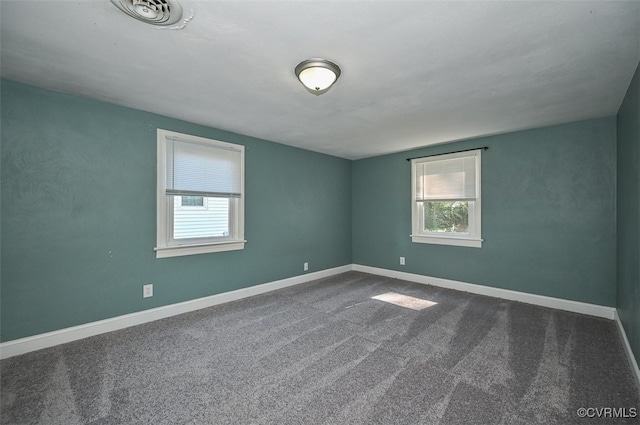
{"points": [[191, 201], [445, 200], [200, 195]]}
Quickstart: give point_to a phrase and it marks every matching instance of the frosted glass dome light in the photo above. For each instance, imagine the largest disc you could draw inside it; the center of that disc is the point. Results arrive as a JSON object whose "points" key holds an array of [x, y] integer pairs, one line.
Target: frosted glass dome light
{"points": [[317, 75]]}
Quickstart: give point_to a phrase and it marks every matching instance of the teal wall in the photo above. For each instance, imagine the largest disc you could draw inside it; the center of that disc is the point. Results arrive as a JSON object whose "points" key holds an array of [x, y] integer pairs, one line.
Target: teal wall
{"points": [[78, 214], [548, 214], [628, 214]]}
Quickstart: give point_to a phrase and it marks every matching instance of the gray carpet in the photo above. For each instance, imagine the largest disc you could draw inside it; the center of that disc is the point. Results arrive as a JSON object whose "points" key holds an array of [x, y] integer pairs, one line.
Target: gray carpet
{"points": [[326, 353]]}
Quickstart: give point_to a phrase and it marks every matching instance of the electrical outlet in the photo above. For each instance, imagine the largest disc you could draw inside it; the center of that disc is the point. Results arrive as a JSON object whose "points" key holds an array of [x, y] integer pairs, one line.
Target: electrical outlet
{"points": [[306, 266], [147, 291], [402, 261]]}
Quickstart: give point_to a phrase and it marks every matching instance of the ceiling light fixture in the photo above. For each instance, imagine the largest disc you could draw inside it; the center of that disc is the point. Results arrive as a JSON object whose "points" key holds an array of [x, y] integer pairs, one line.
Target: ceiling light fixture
{"points": [[317, 75]]}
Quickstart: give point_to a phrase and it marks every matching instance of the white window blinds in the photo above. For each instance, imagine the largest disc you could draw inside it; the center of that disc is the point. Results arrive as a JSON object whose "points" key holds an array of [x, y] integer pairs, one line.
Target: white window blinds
{"points": [[202, 169], [446, 179]]}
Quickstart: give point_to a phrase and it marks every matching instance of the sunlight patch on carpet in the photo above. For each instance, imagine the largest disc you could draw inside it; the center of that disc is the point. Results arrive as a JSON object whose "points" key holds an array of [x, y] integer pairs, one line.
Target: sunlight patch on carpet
{"points": [[404, 301]]}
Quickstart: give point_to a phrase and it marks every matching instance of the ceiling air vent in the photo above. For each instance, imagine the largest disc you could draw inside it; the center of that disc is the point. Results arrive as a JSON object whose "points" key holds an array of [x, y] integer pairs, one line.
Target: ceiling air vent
{"points": [[155, 12]]}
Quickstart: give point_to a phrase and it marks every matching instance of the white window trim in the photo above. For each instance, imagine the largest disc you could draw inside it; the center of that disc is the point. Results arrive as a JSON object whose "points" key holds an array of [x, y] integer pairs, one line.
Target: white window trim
{"points": [[474, 239], [177, 251], [164, 205], [448, 240]]}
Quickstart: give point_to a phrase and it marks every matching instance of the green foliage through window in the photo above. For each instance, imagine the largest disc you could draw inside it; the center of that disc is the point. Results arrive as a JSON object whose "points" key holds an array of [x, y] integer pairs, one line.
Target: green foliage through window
{"points": [[446, 216]]}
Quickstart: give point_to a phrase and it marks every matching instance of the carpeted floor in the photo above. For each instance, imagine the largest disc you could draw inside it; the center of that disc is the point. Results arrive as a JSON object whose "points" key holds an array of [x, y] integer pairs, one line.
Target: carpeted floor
{"points": [[325, 352]]}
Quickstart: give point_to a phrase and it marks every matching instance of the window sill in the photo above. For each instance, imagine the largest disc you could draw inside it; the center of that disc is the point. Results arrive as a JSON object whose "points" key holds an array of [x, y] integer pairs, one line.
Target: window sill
{"points": [[448, 240], [177, 251]]}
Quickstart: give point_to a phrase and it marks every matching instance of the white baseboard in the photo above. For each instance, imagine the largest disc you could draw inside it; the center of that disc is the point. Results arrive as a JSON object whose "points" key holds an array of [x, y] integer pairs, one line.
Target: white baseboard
{"points": [[557, 303], [627, 350], [49, 339]]}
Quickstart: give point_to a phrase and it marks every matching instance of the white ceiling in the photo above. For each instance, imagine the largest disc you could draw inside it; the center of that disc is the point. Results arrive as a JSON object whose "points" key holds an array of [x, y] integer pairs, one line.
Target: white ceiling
{"points": [[413, 73]]}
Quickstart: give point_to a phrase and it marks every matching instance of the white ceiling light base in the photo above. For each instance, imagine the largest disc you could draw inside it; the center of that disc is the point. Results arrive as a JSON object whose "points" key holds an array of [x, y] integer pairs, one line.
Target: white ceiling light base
{"points": [[154, 12], [317, 75]]}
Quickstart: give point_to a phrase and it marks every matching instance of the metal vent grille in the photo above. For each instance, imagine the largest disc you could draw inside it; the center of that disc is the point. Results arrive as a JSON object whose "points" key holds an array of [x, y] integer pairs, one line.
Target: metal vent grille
{"points": [[155, 12]]}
